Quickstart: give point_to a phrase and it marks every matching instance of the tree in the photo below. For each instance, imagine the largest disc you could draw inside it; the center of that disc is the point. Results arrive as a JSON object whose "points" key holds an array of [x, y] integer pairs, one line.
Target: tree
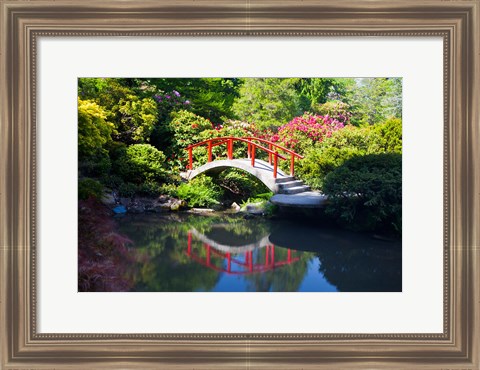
{"points": [[267, 102], [133, 114], [317, 91], [211, 98], [374, 100], [93, 128]]}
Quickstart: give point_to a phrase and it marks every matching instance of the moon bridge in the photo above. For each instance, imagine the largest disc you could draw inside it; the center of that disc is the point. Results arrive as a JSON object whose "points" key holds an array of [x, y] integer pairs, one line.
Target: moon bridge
{"points": [[266, 171]]}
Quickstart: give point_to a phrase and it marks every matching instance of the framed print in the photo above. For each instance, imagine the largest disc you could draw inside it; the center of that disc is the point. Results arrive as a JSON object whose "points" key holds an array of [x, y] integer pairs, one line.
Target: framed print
{"points": [[83, 88]]}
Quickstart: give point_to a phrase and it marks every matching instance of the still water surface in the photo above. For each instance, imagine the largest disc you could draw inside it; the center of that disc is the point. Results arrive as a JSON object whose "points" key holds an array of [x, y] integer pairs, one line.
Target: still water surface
{"points": [[227, 253]]}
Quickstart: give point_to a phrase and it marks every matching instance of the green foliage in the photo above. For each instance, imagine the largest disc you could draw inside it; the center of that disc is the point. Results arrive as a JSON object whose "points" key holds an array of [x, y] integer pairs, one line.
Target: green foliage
{"points": [[132, 114], [95, 165], [135, 119], [187, 129], [93, 128], [200, 192], [365, 192], [140, 163], [127, 190], [207, 97], [89, 188], [333, 151], [241, 184], [317, 91], [147, 189], [336, 109], [267, 102], [390, 135], [373, 100]]}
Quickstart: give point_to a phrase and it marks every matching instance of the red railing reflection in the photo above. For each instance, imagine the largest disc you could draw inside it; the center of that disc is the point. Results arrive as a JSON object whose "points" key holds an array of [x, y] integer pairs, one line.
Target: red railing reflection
{"points": [[240, 264]]}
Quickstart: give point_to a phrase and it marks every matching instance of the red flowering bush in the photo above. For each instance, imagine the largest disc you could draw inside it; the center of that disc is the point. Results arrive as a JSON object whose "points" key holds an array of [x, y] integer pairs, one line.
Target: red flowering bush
{"points": [[304, 131]]}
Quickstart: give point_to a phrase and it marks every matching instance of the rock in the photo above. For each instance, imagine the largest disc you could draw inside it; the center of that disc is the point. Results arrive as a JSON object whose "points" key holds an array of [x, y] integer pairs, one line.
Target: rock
{"points": [[201, 210], [255, 208], [163, 199], [177, 204], [148, 207], [235, 206], [136, 208], [109, 199]]}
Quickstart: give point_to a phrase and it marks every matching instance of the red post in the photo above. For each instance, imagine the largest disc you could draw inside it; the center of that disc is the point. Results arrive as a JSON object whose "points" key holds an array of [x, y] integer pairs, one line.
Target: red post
{"points": [[250, 260], [209, 151], [249, 148], [275, 165], [252, 156], [267, 251], [292, 165], [229, 259], [269, 154], [190, 159], [289, 255], [230, 148], [208, 254], [189, 248]]}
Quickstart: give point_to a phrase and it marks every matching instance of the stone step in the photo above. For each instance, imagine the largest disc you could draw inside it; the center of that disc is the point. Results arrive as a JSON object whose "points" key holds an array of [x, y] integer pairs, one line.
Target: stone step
{"points": [[295, 190], [290, 184], [284, 179]]}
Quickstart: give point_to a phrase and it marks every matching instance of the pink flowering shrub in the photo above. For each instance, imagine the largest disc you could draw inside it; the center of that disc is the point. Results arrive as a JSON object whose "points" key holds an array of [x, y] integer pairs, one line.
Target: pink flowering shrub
{"points": [[304, 131], [335, 109]]}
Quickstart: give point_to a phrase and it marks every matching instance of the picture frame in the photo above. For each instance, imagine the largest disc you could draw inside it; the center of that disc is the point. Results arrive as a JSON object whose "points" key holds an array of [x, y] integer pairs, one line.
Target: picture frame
{"points": [[23, 22]]}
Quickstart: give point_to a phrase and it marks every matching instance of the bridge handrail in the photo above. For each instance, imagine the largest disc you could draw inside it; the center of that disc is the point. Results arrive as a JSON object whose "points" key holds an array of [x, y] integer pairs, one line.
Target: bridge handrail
{"points": [[246, 140], [289, 151]]}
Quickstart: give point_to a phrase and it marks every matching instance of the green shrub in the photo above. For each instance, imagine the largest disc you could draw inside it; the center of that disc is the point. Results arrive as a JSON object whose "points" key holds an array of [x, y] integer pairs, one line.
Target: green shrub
{"points": [[127, 190], [149, 189], [241, 183], [140, 163], [344, 144], [112, 181], [200, 192], [365, 192], [336, 109], [168, 189], [89, 188], [96, 165], [390, 135]]}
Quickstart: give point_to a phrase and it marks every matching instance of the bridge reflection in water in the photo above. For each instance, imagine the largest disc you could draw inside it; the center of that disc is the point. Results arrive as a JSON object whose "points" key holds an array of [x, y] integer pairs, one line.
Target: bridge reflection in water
{"points": [[241, 260]]}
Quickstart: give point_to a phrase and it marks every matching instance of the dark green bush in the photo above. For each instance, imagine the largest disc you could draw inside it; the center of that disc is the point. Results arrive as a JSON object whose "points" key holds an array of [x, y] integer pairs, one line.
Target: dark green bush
{"points": [[365, 192], [97, 165], [241, 184], [140, 163], [127, 190], [200, 192], [89, 188]]}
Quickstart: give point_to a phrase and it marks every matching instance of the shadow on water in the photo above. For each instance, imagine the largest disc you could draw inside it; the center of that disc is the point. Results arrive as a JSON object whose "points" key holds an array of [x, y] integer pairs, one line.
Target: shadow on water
{"points": [[226, 253]]}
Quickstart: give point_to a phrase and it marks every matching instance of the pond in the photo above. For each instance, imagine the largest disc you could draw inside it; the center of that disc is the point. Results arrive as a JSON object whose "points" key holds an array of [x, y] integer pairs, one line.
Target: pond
{"points": [[218, 252]]}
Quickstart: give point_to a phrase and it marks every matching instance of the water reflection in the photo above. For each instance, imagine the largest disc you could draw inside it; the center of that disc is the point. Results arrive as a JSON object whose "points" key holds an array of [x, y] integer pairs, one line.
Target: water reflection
{"points": [[237, 260], [226, 253]]}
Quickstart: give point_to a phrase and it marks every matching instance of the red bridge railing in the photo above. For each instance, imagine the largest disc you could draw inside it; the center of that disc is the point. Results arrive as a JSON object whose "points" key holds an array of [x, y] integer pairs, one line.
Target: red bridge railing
{"points": [[253, 143]]}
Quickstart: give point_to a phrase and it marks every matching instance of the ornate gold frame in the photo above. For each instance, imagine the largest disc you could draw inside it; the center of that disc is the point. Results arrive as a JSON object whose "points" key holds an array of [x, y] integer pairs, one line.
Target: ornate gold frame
{"points": [[23, 21]]}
